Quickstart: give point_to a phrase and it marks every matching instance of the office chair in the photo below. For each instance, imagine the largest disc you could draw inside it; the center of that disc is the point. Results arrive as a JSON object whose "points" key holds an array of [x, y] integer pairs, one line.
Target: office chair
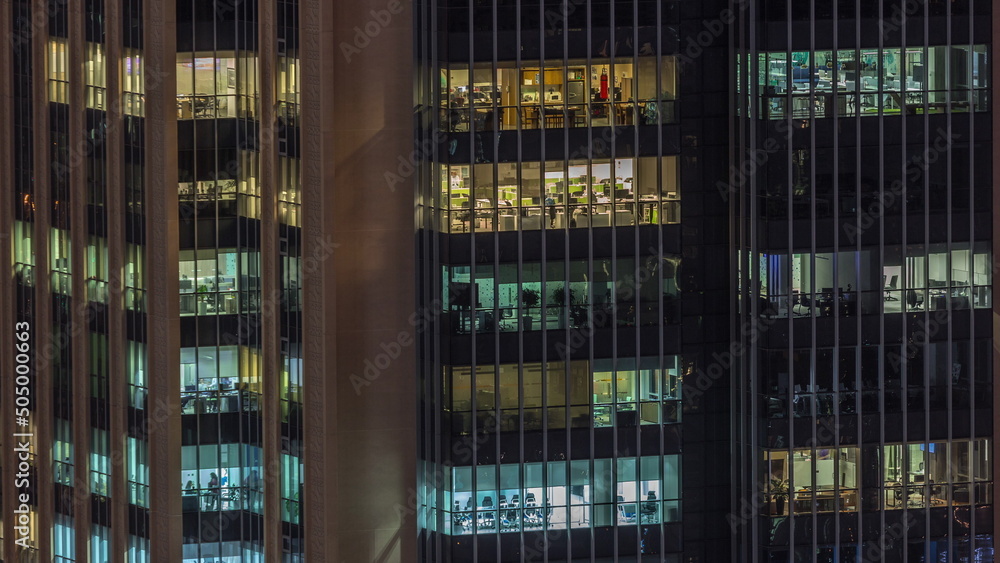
{"points": [[914, 299], [532, 518], [487, 502], [503, 501], [461, 519], [648, 509], [487, 520], [891, 287], [516, 499], [508, 520]]}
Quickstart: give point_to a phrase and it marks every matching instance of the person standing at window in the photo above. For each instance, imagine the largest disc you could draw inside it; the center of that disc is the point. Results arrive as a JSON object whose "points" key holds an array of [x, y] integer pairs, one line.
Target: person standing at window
{"points": [[214, 486]]}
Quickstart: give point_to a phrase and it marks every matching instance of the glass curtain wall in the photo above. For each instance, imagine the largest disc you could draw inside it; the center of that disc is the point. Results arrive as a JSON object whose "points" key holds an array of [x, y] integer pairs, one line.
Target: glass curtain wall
{"points": [[290, 389], [217, 103]]}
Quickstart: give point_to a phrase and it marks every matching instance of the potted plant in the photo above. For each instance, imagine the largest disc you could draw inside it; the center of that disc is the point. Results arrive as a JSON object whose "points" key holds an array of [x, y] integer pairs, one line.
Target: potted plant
{"points": [[202, 299], [530, 298], [559, 297], [779, 492]]}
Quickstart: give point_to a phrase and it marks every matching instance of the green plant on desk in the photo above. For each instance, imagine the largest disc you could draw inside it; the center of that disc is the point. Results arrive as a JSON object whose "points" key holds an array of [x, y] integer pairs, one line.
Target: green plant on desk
{"points": [[202, 299], [779, 490]]}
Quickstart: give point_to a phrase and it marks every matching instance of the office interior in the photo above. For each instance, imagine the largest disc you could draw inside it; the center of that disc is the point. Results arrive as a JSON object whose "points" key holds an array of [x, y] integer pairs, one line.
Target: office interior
{"points": [[236, 486], [213, 84], [912, 475], [557, 495], [910, 278], [530, 96], [217, 281], [560, 194], [871, 82], [622, 393], [600, 293], [219, 379]]}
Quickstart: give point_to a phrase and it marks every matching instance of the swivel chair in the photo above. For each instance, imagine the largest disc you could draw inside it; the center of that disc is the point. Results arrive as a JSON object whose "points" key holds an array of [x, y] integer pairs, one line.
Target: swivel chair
{"points": [[890, 287], [648, 509]]}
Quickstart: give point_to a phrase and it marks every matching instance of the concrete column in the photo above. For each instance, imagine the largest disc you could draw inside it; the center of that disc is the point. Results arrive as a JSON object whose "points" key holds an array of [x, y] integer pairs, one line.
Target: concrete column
{"points": [[41, 328], [357, 82], [271, 290], [117, 381], [163, 423]]}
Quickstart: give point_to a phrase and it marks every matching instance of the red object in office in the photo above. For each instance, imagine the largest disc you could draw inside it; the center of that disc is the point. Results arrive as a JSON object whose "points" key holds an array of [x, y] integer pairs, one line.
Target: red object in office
{"points": [[604, 84]]}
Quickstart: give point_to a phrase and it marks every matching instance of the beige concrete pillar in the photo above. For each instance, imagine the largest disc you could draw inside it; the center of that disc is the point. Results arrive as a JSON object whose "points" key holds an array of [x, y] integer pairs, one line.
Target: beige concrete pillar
{"points": [[357, 85]]}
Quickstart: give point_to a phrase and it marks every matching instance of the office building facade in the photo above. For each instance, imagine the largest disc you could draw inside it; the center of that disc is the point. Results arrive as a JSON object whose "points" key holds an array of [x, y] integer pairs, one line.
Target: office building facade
{"points": [[681, 281], [573, 248], [863, 229], [179, 277]]}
